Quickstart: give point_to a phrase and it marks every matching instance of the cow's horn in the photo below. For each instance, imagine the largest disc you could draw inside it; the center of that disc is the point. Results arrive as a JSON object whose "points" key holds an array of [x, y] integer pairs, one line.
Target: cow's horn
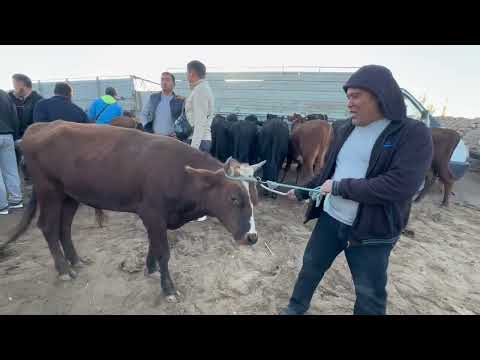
{"points": [[257, 167]]}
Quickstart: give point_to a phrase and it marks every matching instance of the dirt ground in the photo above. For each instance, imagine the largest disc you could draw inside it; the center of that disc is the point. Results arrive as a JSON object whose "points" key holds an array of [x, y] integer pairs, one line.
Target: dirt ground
{"points": [[437, 271]]}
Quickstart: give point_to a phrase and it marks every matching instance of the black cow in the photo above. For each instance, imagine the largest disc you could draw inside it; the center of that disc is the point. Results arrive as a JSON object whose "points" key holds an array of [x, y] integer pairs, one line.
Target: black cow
{"points": [[232, 118], [272, 146], [252, 118], [244, 139], [222, 147], [273, 116], [316, 117]]}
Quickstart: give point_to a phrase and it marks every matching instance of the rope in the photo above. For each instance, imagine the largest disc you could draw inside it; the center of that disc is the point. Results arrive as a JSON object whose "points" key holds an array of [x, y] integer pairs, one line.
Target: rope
{"points": [[315, 194]]}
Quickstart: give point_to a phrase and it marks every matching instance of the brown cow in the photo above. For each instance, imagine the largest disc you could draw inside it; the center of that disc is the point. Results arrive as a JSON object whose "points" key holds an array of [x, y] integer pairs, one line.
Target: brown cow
{"points": [[309, 143], [127, 122], [166, 182], [444, 144]]}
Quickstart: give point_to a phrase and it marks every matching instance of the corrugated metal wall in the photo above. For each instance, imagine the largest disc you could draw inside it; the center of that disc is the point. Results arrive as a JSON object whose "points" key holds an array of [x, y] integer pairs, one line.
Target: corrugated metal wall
{"points": [[86, 91], [258, 93], [276, 92]]}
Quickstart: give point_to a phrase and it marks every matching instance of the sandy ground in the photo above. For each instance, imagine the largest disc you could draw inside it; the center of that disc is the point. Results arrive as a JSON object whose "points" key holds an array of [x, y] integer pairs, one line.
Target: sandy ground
{"points": [[437, 271]]}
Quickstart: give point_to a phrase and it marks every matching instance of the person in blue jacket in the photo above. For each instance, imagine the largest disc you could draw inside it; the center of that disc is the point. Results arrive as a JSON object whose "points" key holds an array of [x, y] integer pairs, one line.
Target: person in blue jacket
{"points": [[106, 108]]}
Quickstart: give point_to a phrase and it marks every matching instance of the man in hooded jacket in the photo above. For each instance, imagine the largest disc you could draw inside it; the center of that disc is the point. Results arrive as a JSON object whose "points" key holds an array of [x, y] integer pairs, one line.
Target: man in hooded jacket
{"points": [[376, 163]]}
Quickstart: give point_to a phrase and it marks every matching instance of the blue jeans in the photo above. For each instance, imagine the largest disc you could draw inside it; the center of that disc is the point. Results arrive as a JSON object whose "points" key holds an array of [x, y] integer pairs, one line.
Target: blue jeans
{"points": [[10, 188], [368, 266]]}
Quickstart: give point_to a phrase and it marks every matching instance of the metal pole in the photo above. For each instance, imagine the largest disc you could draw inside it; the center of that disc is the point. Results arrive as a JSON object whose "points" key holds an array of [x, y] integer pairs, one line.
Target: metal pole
{"points": [[99, 91]]}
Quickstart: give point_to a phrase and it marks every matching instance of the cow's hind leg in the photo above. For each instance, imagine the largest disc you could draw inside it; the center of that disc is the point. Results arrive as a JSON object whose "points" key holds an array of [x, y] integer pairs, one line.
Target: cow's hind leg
{"points": [[447, 189], [159, 249], [69, 208], [50, 224], [429, 181], [447, 179]]}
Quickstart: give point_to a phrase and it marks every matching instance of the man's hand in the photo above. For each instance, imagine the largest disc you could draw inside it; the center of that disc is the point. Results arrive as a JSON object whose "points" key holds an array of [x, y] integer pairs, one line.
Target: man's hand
{"points": [[291, 195], [327, 186], [173, 135]]}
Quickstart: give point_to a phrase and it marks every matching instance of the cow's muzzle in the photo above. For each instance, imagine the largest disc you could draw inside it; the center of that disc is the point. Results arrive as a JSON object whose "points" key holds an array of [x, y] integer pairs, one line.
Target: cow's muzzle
{"points": [[252, 238], [248, 239]]}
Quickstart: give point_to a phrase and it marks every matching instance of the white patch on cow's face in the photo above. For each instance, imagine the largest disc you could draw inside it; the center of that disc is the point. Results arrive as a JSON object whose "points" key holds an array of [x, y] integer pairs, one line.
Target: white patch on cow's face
{"points": [[252, 229]]}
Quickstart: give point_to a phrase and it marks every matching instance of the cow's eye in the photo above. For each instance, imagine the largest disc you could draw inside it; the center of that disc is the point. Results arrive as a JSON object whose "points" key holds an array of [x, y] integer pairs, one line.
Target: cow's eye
{"points": [[235, 201]]}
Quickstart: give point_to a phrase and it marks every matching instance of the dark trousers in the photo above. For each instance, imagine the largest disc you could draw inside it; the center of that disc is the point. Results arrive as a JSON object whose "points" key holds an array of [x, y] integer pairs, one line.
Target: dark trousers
{"points": [[205, 145], [368, 266]]}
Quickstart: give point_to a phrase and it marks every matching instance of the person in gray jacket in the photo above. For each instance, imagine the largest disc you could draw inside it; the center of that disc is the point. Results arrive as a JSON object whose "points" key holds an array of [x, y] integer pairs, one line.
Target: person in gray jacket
{"points": [[162, 108]]}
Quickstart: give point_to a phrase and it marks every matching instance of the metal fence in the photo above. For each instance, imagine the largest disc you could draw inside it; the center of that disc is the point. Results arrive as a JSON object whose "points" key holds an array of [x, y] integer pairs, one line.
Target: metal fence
{"points": [[86, 90], [249, 92]]}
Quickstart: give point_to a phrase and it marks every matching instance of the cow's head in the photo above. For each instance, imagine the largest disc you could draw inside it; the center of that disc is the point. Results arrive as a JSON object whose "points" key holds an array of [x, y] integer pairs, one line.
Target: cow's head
{"points": [[231, 201]]}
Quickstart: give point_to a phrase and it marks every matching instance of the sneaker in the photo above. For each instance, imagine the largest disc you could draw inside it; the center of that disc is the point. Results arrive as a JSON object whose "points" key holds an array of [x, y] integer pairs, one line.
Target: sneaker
{"points": [[288, 311], [203, 218], [4, 211], [18, 205]]}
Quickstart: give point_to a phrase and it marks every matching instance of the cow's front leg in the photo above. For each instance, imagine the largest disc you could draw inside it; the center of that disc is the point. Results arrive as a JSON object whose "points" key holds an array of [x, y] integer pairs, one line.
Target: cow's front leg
{"points": [[151, 265]]}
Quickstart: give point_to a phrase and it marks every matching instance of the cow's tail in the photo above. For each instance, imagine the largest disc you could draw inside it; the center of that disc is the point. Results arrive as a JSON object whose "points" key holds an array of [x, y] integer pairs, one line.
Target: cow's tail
{"points": [[289, 160], [100, 217], [27, 217]]}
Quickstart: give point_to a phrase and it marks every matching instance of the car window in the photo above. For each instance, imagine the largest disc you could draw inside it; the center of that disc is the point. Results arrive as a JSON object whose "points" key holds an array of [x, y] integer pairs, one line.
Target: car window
{"points": [[412, 111]]}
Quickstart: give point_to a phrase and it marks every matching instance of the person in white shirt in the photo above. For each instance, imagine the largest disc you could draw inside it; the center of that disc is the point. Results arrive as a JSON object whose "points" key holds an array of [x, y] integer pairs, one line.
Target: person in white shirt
{"points": [[199, 106]]}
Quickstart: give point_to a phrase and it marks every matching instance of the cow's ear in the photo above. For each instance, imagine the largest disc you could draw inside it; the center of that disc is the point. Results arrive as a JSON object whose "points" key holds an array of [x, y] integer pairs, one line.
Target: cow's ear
{"points": [[206, 177], [231, 167]]}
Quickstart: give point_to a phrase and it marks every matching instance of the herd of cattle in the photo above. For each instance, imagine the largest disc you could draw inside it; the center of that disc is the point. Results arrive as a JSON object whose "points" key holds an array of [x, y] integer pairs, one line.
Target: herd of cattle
{"points": [[304, 140]]}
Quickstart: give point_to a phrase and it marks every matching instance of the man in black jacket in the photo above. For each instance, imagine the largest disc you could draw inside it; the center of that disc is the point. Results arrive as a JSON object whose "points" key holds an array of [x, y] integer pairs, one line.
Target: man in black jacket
{"points": [[25, 100], [374, 166], [59, 107], [10, 190]]}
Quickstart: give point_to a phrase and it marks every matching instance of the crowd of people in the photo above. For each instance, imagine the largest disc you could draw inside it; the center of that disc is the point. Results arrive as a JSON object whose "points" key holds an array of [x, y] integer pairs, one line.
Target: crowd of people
{"points": [[23, 106]]}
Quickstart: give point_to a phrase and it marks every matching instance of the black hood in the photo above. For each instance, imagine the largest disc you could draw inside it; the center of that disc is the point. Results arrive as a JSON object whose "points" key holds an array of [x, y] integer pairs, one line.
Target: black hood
{"points": [[379, 81]]}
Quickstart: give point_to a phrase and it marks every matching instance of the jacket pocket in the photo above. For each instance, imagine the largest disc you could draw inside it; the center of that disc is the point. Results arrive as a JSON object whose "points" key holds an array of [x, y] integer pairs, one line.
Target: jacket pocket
{"points": [[375, 224]]}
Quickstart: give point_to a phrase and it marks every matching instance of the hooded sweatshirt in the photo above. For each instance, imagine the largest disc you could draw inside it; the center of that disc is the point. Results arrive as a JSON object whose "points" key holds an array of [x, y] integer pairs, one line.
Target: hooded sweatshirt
{"points": [[399, 160], [104, 110]]}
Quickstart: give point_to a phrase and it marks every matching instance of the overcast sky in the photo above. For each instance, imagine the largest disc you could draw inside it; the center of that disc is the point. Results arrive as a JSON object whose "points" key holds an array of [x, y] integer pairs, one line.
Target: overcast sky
{"points": [[448, 75]]}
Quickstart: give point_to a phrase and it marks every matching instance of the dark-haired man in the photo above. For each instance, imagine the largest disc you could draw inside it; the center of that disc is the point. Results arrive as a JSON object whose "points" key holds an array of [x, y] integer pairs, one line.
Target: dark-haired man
{"points": [[162, 108], [25, 100], [59, 107]]}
